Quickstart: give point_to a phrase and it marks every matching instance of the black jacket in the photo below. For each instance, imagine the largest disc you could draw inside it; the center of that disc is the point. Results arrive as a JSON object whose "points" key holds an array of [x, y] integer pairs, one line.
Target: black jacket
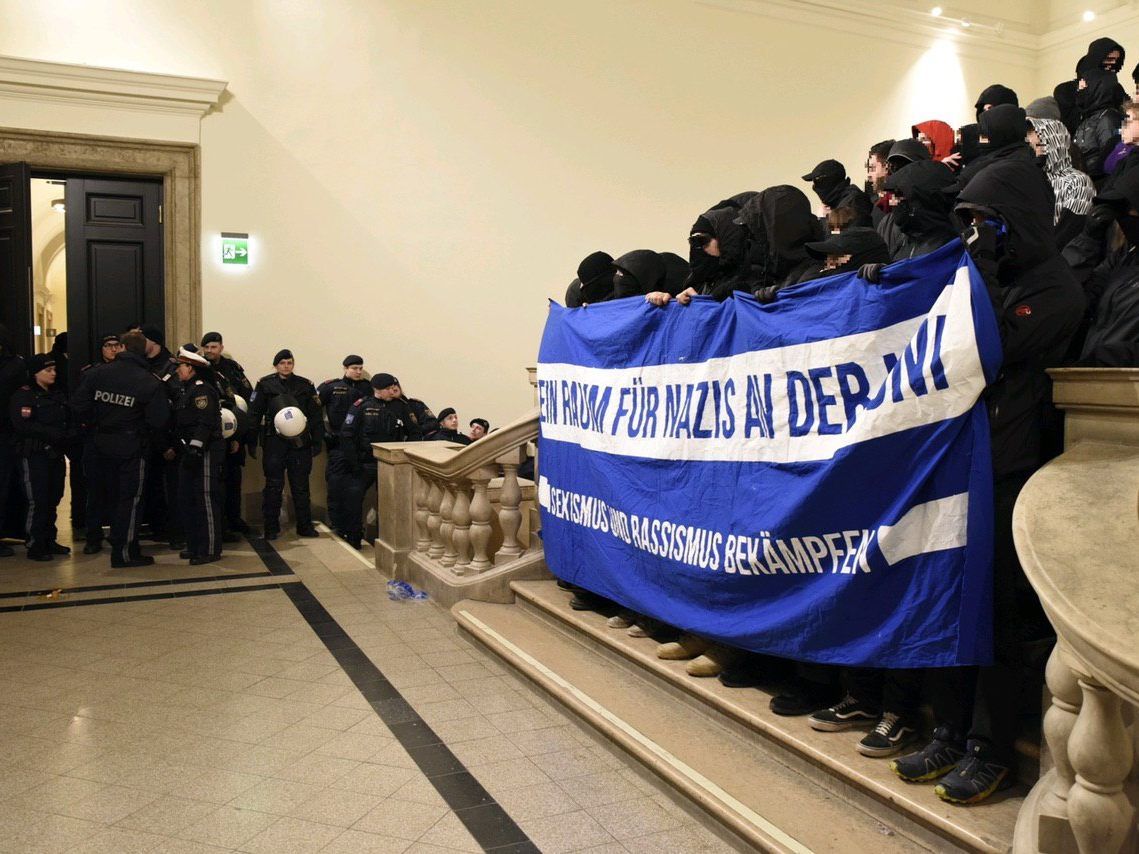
{"points": [[234, 375], [272, 394], [12, 376], [1038, 305], [780, 223], [126, 406], [197, 421], [336, 398], [638, 272], [41, 420], [445, 435], [1100, 119], [923, 216], [719, 276], [373, 420]]}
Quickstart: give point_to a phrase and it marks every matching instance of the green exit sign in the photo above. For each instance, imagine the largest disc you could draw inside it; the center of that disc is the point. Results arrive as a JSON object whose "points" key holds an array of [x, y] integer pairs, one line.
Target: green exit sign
{"points": [[234, 248]]}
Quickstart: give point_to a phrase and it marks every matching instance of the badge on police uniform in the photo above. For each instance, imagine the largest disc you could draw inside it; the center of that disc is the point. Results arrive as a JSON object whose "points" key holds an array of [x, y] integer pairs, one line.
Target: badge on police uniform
{"points": [[201, 402]]}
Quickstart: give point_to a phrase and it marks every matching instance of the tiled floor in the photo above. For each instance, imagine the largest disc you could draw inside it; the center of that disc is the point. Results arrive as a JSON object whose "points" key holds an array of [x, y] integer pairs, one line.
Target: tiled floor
{"points": [[222, 721]]}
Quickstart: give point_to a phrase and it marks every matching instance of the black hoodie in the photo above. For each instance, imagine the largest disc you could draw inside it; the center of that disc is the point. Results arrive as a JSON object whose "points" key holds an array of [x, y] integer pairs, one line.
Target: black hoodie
{"points": [[836, 191], [994, 96], [863, 245], [924, 214], [780, 223], [676, 271], [1005, 128], [1037, 302], [638, 272], [719, 276], [970, 144], [1101, 118]]}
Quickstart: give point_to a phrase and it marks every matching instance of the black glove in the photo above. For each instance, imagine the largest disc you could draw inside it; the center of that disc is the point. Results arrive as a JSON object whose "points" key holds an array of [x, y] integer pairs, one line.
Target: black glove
{"points": [[766, 294], [871, 273], [981, 242], [1099, 220]]}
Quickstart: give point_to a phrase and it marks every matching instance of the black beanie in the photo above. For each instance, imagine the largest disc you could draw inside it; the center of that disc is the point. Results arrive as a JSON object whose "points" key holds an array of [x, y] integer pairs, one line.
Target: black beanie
{"points": [[38, 362], [446, 413], [109, 338], [153, 333], [485, 424], [282, 354], [383, 381], [211, 338], [349, 361]]}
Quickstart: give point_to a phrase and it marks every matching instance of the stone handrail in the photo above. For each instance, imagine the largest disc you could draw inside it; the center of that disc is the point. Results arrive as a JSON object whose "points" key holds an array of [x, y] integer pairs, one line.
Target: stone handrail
{"points": [[1076, 528], [448, 511]]}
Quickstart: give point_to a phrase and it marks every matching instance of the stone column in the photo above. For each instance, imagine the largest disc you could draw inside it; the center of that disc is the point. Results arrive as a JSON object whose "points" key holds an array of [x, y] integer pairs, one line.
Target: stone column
{"points": [[480, 519], [434, 519], [509, 516], [461, 529], [395, 511], [446, 526], [1100, 749]]}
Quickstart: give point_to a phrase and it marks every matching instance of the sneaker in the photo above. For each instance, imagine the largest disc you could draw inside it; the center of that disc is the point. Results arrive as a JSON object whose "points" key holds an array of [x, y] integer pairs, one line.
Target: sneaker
{"points": [[934, 760], [621, 621], [683, 649], [847, 713], [583, 600], [892, 733], [976, 776], [802, 698]]}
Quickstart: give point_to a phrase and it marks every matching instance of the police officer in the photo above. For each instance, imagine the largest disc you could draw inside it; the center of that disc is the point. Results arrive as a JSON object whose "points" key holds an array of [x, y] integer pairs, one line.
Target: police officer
{"points": [[161, 504], [41, 420], [197, 427], [128, 410], [233, 374], [12, 373], [284, 454], [97, 497], [421, 414], [337, 397], [383, 417], [449, 428]]}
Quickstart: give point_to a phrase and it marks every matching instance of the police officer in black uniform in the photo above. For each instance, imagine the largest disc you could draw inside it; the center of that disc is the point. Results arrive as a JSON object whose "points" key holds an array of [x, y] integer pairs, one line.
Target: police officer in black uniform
{"points": [[233, 374], [283, 454], [12, 374], [128, 410], [161, 500], [449, 428], [421, 414], [197, 427], [383, 417], [41, 420], [337, 397], [97, 497]]}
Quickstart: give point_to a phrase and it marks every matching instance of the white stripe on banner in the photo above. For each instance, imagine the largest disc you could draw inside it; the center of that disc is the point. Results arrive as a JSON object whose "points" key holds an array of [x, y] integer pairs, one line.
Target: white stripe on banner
{"points": [[931, 527], [803, 402]]}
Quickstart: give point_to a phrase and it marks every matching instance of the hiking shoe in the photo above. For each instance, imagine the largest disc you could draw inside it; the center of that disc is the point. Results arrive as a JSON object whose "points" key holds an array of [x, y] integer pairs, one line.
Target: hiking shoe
{"points": [[892, 733], [976, 776], [934, 760], [683, 649], [847, 713], [621, 620]]}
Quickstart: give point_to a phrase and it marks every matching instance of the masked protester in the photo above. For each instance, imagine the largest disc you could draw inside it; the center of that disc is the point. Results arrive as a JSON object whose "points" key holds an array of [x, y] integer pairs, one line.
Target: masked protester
{"points": [[1038, 304], [939, 138], [846, 252], [637, 273], [1110, 337], [780, 223], [994, 96], [1102, 55], [676, 272], [1003, 132], [923, 212], [717, 257], [836, 191], [1073, 189], [594, 282], [1099, 99], [969, 143]]}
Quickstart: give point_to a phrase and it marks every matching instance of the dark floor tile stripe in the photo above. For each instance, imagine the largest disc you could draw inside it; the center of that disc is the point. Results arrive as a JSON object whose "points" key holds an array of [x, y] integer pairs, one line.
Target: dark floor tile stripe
{"points": [[142, 597], [269, 556], [485, 819], [131, 585]]}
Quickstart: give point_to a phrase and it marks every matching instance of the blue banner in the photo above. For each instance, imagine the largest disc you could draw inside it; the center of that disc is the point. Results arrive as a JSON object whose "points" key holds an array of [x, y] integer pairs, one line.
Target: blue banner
{"points": [[809, 478]]}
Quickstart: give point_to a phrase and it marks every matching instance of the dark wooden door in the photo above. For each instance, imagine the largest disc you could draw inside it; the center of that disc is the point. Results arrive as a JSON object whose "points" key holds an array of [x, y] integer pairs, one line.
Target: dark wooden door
{"points": [[115, 275], [17, 305]]}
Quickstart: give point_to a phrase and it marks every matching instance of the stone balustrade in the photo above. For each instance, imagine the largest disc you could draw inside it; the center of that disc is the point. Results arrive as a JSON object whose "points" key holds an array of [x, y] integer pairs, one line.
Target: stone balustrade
{"points": [[1077, 534], [458, 520]]}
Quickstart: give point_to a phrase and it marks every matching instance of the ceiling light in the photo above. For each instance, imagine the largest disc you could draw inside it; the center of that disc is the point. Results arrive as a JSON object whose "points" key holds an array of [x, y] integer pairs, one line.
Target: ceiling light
{"points": [[1089, 16], [936, 11], [965, 23], [58, 205]]}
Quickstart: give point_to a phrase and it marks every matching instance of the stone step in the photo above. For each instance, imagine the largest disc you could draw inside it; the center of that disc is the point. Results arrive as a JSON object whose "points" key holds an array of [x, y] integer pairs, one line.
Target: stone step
{"points": [[736, 786], [828, 759]]}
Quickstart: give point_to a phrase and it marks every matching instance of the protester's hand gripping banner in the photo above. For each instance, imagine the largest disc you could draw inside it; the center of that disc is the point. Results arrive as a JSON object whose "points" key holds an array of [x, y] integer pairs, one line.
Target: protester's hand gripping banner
{"points": [[810, 478]]}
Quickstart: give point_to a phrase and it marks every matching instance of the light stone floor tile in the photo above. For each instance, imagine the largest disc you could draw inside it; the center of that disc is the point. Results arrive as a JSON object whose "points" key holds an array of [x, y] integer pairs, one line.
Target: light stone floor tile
{"points": [[401, 819], [632, 819], [540, 801], [684, 840], [449, 832], [358, 842], [167, 814], [116, 840], [566, 832], [275, 796], [227, 827], [338, 807], [292, 836], [381, 780]]}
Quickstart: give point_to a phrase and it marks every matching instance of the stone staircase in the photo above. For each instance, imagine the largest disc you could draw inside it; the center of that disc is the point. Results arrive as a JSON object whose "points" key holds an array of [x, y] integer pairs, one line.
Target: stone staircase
{"points": [[766, 783]]}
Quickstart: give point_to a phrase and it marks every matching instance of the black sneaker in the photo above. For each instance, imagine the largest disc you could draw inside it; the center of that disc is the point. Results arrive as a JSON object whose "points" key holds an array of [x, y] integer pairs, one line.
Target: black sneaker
{"points": [[583, 600], [892, 733], [308, 531], [934, 760], [976, 776], [565, 585], [801, 698], [846, 714]]}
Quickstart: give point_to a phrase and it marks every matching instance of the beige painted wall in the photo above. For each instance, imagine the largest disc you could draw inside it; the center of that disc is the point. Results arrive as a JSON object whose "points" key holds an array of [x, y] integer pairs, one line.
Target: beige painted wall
{"points": [[420, 176]]}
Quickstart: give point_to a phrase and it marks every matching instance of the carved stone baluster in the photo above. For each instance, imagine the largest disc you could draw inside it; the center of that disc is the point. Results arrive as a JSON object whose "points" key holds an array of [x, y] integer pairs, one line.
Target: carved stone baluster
{"points": [[509, 516], [1058, 723], [434, 520], [446, 526], [461, 529], [422, 493], [1101, 752], [480, 520]]}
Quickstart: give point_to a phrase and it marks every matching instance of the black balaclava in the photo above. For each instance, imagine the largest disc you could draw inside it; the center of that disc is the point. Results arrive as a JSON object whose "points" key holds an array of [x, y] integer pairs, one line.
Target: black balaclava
{"points": [[638, 272], [863, 245], [925, 208], [573, 294], [1102, 92], [1015, 191], [829, 182], [970, 145], [676, 272], [1098, 51], [732, 238], [995, 95], [595, 276], [1003, 126]]}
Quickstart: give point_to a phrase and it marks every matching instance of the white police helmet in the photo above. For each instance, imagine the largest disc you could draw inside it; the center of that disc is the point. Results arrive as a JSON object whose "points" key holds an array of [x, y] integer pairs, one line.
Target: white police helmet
{"points": [[241, 404], [290, 422], [228, 423]]}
